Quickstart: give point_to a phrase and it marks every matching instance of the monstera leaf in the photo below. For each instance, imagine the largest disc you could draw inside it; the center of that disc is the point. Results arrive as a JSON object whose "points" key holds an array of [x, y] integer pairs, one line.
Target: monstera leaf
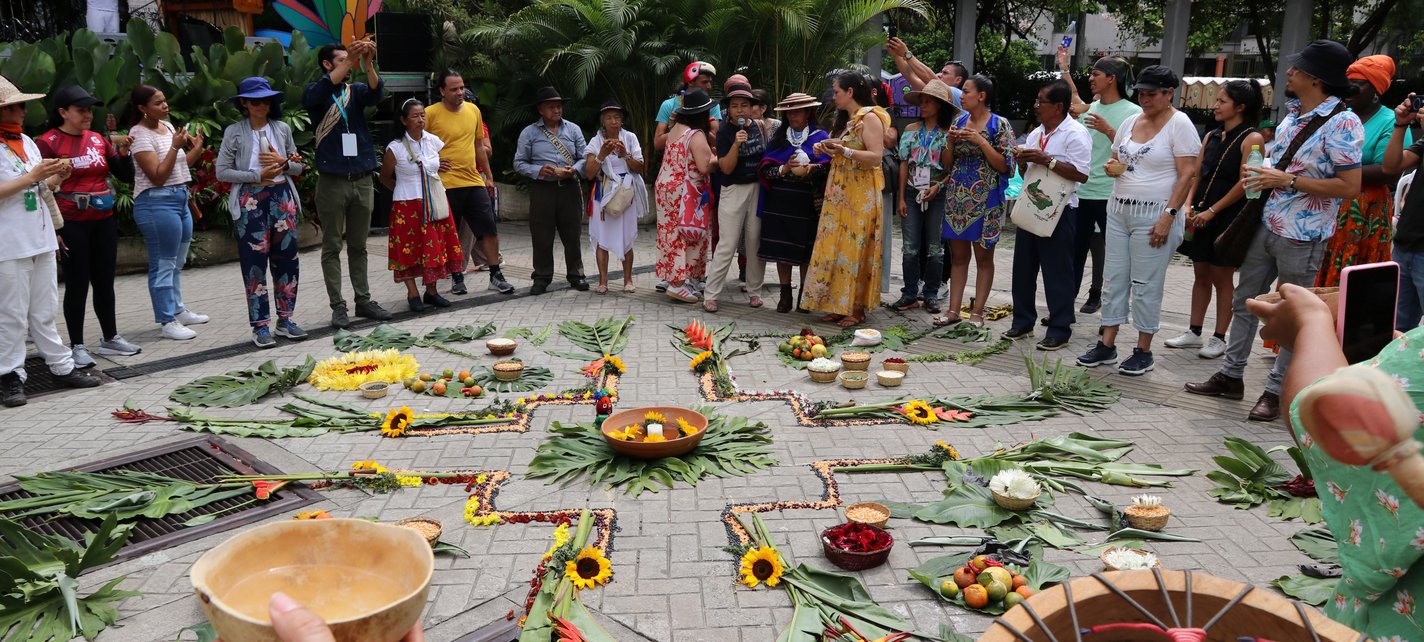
{"points": [[242, 387], [39, 598]]}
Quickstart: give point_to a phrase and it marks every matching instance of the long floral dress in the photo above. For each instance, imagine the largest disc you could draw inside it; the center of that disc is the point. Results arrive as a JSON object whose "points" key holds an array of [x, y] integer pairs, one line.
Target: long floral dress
{"points": [[1379, 530], [845, 264], [976, 206], [684, 204]]}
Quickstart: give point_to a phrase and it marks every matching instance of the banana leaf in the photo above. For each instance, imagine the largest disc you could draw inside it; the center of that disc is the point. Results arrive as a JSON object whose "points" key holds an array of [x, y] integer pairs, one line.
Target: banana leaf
{"points": [[1318, 543], [126, 495], [532, 378], [731, 447], [458, 334], [1315, 591], [1248, 476], [607, 336], [241, 387], [39, 598], [837, 596], [972, 506]]}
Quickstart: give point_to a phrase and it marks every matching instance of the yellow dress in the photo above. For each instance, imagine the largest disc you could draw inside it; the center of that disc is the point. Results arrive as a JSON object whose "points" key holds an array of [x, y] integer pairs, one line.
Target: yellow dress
{"points": [[845, 263]]}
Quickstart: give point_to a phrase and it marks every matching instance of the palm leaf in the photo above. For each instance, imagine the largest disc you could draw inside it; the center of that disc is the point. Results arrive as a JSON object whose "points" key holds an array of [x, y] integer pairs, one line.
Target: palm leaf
{"points": [[731, 447], [607, 336], [241, 387], [533, 378]]}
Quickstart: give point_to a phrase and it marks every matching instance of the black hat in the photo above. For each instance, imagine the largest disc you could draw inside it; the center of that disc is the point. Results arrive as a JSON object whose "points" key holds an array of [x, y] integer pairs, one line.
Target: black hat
{"points": [[695, 101], [1157, 77], [546, 94], [72, 96], [1324, 59], [612, 104]]}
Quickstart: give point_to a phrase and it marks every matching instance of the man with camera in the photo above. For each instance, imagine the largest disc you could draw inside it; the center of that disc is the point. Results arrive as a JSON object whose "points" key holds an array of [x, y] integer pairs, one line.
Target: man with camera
{"points": [[1409, 233]]}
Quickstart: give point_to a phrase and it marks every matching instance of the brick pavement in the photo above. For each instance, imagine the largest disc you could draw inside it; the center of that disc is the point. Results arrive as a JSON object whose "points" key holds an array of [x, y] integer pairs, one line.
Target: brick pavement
{"points": [[672, 580]]}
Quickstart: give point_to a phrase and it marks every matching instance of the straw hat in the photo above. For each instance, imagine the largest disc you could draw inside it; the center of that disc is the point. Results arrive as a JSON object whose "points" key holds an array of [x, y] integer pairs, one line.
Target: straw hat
{"points": [[11, 95], [934, 88], [796, 101]]}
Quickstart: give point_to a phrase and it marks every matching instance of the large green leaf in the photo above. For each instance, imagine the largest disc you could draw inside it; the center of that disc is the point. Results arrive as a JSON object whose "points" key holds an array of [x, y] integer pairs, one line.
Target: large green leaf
{"points": [[241, 387], [842, 596], [1315, 591], [39, 593], [1306, 509], [606, 336], [532, 378], [382, 337], [1318, 543], [968, 506]]}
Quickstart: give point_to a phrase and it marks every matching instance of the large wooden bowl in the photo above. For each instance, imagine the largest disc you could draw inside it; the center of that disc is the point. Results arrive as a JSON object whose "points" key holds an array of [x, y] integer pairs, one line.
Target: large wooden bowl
{"points": [[656, 450], [378, 597], [1260, 613]]}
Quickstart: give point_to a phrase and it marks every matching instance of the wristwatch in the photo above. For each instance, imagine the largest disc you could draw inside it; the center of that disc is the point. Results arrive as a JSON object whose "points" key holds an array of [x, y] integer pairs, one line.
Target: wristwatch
{"points": [[1172, 211], [1052, 163], [909, 56], [1292, 183]]}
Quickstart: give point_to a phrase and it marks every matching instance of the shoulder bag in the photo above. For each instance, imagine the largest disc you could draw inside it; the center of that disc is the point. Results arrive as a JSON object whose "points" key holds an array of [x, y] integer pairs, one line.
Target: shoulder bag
{"points": [[432, 190], [1235, 241]]}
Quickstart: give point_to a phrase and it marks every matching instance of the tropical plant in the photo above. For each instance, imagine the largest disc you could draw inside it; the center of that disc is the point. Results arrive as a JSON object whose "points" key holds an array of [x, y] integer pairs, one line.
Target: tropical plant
{"points": [[39, 589], [125, 495], [316, 416], [531, 378], [1249, 476], [731, 447], [607, 336], [555, 608], [387, 337], [242, 387]]}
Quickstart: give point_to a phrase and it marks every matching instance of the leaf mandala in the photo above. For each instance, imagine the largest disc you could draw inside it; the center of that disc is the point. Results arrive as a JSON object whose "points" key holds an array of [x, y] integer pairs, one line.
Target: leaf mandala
{"points": [[532, 378]]}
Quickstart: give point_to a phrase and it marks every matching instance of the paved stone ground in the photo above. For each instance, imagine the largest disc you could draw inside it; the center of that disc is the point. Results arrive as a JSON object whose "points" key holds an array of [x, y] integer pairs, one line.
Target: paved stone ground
{"points": [[672, 580]]}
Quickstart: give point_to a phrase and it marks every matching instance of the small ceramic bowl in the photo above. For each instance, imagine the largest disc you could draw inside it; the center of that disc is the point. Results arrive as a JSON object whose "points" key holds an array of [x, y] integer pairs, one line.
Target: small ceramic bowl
{"points": [[375, 389], [501, 347]]}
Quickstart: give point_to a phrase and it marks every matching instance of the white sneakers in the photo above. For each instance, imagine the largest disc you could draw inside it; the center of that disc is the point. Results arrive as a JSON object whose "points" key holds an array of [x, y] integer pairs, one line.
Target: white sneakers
{"points": [[1211, 347], [1187, 339], [189, 317], [177, 331]]}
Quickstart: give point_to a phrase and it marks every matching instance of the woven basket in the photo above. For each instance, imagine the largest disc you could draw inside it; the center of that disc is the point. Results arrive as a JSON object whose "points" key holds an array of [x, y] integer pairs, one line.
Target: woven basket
{"points": [[853, 379], [374, 389], [855, 561], [890, 378], [1011, 503], [856, 361], [823, 377], [883, 510], [1227, 609], [1103, 557], [1147, 522], [898, 367], [431, 536], [510, 373]]}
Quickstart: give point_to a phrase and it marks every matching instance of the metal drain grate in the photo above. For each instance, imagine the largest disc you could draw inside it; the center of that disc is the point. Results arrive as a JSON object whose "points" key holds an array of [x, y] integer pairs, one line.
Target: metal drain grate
{"points": [[197, 459], [40, 381]]}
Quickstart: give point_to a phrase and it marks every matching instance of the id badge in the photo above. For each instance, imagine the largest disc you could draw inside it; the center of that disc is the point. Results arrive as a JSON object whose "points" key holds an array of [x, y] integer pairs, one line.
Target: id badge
{"points": [[32, 201], [348, 145]]}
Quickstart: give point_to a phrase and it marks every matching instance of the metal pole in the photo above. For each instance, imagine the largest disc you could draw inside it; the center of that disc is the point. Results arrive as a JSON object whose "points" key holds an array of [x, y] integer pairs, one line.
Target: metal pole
{"points": [[1295, 34], [966, 15], [1174, 39]]}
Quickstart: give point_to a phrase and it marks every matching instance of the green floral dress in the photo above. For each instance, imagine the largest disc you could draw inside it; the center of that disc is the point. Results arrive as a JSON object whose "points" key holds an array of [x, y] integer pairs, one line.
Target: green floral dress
{"points": [[1379, 530]]}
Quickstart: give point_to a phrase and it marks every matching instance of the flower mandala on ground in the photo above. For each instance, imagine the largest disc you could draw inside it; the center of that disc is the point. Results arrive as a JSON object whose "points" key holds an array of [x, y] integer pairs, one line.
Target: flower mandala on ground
{"points": [[702, 359], [472, 506], [397, 420], [350, 370], [369, 464], [561, 537], [589, 569], [613, 365], [948, 449], [919, 412], [409, 480], [761, 565]]}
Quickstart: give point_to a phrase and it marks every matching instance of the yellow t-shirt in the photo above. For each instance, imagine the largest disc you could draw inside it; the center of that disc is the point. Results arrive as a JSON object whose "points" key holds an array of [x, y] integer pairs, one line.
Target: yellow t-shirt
{"points": [[462, 132]]}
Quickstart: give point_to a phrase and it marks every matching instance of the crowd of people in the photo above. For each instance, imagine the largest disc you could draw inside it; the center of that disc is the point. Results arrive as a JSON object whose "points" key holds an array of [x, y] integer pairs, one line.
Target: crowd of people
{"points": [[1122, 178]]}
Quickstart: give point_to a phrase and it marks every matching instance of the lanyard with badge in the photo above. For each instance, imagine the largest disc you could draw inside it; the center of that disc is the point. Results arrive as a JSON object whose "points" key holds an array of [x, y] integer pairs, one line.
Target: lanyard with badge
{"points": [[348, 139], [920, 177], [31, 195]]}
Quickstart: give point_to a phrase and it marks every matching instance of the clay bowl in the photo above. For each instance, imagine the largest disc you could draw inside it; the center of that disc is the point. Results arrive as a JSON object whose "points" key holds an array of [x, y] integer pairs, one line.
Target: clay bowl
{"points": [[1260, 612], [368, 581], [501, 347], [656, 450]]}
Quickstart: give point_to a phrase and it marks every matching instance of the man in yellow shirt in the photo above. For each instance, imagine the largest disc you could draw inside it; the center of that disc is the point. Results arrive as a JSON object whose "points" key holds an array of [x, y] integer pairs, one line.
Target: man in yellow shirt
{"points": [[469, 185]]}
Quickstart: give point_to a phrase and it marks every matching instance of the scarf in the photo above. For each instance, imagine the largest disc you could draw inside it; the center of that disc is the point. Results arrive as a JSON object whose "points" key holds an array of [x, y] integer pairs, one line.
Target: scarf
{"points": [[14, 139], [781, 154]]}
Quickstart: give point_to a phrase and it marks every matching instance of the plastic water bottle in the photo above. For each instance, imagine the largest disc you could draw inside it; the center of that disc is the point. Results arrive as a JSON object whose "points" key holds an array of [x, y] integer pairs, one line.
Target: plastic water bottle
{"points": [[1255, 160], [1069, 33]]}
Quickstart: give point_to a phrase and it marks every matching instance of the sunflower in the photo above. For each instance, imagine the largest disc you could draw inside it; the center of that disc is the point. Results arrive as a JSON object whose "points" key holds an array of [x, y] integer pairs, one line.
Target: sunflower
{"points": [[953, 454], [369, 464], [634, 431], [655, 417], [687, 429], [397, 420], [349, 371], [589, 569], [613, 365], [652, 439], [761, 565], [700, 359], [919, 412]]}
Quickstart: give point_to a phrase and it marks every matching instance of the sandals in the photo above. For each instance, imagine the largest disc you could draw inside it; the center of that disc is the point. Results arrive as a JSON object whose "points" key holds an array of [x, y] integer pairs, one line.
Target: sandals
{"points": [[710, 305], [946, 320], [629, 287], [756, 301], [850, 321], [601, 288], [833, 318]]}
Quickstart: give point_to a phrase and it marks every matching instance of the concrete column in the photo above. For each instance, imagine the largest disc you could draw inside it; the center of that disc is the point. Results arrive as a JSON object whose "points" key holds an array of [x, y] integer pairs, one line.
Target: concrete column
{"points": [[1295, 35], [966, 13], [1174, 35]]}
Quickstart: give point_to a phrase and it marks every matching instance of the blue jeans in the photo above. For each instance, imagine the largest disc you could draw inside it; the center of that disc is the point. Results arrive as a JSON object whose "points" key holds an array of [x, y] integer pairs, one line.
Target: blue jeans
{"points": [[161, 214], [920, 230], [1053, 256], [1411, 289]]}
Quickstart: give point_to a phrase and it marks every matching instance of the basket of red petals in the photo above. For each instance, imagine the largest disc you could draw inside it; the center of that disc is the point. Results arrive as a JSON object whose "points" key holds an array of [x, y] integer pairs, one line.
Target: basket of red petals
{"points": [[856, 547]]}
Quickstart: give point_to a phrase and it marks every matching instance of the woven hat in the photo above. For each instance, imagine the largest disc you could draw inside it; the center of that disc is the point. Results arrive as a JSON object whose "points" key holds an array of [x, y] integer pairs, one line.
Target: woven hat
{"points": [[796, 101], [11, 95], [934, 89]]}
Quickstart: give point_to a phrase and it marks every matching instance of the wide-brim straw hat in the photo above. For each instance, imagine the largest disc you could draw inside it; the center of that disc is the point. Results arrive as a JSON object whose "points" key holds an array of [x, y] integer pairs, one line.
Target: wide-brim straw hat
{"points": [[11, 95], [935, 88], [796, 101]]}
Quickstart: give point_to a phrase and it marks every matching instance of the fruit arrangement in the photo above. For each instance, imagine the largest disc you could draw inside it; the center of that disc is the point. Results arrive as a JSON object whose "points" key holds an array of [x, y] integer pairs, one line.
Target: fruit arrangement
{"points": [[986, 584], [457, 385], [804, 346]]}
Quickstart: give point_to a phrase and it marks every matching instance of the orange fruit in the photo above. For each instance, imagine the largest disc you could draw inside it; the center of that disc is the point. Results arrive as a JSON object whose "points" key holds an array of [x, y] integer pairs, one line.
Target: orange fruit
{"points": [[464, 374], [438, 387], [476, 391], [979, 563], [1024, 591], [976, 596], [1019, 580], [964, 577]]}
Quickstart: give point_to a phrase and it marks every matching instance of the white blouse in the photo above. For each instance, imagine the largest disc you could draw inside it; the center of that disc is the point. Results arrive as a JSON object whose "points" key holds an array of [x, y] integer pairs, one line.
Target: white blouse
{"points": [[258, 148], [427, 151], [23, 232]]}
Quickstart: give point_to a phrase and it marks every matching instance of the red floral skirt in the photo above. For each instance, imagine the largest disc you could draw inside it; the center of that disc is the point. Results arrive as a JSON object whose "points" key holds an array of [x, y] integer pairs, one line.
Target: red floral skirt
{"points": [[430, 251]]}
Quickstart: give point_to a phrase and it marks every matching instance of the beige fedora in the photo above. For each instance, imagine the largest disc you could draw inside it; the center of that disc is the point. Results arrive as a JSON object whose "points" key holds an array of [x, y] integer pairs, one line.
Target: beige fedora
{"points": [[795, 101], [934, 88], [11, 95]]}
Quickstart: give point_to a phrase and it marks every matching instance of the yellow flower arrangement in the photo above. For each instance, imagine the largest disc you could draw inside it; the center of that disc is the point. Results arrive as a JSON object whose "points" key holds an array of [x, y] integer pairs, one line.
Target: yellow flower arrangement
{"points": [[561, 537], [761, 565], [473, 506], [687, 429], [589, 569], [350, 370], [655, 417], [369, 464], [698, 360], [919, 412], [652, 439], [410, 480], [953, 454], [397, 420], [613, 365]]}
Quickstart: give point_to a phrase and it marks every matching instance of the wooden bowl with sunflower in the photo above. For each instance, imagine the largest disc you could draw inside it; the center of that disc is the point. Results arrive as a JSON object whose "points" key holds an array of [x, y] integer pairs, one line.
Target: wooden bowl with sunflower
{"points": [[627, 431]]}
